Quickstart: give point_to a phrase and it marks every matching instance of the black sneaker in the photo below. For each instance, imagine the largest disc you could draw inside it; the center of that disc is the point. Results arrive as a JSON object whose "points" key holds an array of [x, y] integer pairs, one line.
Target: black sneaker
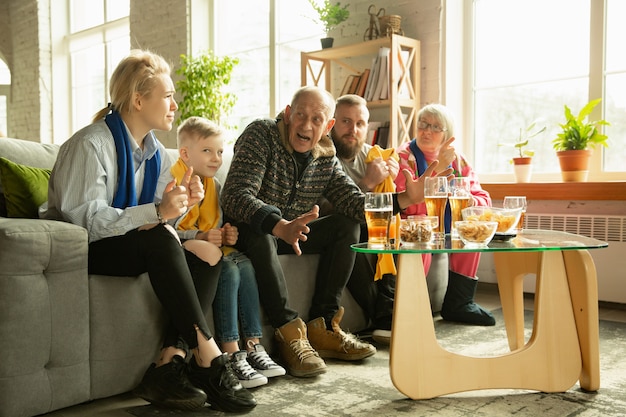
{"points": [[223, 389], [168, 386]]}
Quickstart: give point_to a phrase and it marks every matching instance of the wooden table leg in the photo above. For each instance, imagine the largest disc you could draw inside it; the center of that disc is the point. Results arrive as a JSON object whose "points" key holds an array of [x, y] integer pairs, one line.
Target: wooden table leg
{"points": [[583, 285], [420, 368], [510, 271]]}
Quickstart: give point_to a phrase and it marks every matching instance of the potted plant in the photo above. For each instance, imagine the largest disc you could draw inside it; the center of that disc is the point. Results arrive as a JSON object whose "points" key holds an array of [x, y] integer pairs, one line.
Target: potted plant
{"points": [[578, 138], [329, 16], [203, 78], [522, 162]]}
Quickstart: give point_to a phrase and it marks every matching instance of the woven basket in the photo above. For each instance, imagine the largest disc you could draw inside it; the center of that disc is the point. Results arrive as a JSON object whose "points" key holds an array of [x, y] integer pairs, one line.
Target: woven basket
{"points": [[390, 24]]}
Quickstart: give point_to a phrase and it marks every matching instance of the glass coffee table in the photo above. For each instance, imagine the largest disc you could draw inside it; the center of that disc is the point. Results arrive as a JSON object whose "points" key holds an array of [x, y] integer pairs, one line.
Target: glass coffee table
{"points": [[563, 348]]}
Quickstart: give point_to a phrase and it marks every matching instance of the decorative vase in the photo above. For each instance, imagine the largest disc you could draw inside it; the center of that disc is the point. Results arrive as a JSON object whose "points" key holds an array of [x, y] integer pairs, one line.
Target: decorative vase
{"points": [[327, 42], [522, 168], [574, 165]]}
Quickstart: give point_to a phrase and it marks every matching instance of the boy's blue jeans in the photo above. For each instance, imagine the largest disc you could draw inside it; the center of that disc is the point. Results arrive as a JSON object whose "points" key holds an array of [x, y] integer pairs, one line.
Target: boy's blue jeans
{"points": [[237, 300]]}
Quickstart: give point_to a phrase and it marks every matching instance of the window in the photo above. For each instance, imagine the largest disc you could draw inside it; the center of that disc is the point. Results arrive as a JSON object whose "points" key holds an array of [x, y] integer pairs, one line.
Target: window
{"points": [[530, 59], [269, 54], [99, 39], [5, 87]]}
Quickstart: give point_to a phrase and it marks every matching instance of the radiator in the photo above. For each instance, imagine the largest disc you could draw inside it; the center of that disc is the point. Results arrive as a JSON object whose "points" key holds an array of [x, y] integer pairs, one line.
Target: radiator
{"points": [[606, 228], [610, 262]]}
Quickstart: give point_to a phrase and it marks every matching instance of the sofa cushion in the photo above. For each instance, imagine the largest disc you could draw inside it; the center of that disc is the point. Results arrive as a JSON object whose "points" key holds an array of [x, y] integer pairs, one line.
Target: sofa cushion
{"points": [[25, 188], [44, 316]]}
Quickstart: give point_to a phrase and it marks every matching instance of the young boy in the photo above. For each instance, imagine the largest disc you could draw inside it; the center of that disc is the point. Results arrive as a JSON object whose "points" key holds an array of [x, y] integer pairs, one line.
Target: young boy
{"points": [[202, 231]]}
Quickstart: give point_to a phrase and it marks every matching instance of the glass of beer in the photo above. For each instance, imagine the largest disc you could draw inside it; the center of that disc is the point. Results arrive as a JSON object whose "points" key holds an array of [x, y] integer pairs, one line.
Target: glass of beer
{"points": [[513, 202], [436, 197], [378, 214], [459, 198]]}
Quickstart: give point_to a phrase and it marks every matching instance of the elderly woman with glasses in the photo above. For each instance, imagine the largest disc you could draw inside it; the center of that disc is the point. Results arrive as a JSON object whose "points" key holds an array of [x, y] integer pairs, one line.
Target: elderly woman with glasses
{"points": [[434, 141]]}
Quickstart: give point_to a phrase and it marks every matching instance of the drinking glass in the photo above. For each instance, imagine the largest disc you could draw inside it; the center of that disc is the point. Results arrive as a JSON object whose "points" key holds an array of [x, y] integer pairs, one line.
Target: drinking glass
{"points": [[513, 202], [459, 198], [436, 197], [378, 214]]}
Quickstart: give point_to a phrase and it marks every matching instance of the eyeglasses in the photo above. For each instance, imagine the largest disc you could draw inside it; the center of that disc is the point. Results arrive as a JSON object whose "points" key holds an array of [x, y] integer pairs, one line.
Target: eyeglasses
{"points": [[433, 128]]}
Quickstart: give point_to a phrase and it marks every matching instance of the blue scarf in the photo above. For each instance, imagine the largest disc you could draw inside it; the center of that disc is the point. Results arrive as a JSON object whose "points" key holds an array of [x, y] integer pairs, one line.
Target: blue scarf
{"points": [[126, 195], [420, 162]]}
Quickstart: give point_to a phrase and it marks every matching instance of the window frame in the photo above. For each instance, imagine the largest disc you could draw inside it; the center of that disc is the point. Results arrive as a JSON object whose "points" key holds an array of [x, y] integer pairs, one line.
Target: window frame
{"points": [[459, 49]]}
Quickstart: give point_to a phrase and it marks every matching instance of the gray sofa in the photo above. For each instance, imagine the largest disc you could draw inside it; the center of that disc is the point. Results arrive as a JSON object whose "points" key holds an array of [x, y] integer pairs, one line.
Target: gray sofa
{"points": [[68, 337]]}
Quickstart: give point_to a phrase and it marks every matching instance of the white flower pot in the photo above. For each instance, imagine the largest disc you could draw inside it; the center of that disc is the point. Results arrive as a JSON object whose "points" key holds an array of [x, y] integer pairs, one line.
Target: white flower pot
{"points": [[522, 170]]}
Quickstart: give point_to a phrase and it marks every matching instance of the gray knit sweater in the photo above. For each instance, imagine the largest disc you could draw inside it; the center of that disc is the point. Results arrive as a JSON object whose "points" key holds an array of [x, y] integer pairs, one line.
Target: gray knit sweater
{"points": [[263, 178]]}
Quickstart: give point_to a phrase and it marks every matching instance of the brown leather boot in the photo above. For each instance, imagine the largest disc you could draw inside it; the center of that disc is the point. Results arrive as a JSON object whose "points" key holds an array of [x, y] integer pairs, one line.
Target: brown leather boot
{"points": [[297, 354], [336, 343]]}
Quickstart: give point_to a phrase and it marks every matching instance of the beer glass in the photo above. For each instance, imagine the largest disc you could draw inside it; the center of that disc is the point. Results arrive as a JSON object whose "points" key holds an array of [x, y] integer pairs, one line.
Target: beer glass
{"points": [[378, 214], [459, 198], [436, 197], [513, 202]]}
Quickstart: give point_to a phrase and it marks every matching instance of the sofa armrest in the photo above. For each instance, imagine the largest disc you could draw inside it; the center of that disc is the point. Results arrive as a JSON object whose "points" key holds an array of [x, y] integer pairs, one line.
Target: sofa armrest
{"points": [[44, 316]]}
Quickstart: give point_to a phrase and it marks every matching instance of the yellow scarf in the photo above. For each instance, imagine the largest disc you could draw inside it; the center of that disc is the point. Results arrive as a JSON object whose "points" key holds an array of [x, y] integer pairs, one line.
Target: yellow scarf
{"points": [[385, 264], [205, 215]]}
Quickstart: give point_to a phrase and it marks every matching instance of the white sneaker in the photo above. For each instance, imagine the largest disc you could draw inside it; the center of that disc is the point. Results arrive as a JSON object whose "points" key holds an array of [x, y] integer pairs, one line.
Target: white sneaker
{"points": [[382, 336], [263, 363], [248, 377]]}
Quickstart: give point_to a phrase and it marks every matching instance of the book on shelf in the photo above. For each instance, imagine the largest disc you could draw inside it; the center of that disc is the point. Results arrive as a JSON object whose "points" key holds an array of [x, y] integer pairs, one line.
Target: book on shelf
{"points": [[372, 129], [371, 82], [360, 90], [382, 136], [355, 84], [382, 79], [347, 84]]}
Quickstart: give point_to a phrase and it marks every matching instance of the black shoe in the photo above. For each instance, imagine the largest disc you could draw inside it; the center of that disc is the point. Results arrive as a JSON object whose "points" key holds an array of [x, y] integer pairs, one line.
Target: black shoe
{"points": [[458, 303], [168, 386], [223, 390]]}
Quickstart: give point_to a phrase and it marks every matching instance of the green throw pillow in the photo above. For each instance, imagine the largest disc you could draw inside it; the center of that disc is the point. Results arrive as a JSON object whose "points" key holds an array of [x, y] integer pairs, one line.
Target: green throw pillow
{"points": [[25, 188]]}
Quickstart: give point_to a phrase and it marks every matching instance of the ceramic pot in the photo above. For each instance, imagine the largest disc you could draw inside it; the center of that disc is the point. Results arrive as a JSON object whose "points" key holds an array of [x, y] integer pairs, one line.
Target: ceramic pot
{"points": [[327, 42], [574, 165], [522, 168]]}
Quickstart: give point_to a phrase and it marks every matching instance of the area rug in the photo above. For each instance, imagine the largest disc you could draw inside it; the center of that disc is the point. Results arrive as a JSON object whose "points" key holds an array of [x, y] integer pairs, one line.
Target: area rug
{"points": [[365, 388]]}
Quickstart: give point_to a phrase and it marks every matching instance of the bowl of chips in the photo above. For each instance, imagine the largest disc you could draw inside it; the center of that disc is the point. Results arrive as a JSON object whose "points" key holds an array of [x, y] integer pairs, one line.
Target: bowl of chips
{"points": [[506, 218], [476, 232]]}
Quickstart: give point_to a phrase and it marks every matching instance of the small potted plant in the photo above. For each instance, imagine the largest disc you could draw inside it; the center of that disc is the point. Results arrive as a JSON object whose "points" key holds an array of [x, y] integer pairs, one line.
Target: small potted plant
{"points": [[522, 162], [578, 138], [329, 16]]}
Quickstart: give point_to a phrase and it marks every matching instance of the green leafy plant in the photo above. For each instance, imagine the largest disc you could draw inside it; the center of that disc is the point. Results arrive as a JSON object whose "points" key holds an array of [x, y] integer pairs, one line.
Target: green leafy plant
{"points": [[522, 140], [578, 133], [330, 15], [201, 86]]}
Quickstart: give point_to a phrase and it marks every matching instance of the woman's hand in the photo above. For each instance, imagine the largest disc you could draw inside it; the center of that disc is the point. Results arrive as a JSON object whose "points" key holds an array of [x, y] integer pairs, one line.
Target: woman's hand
{"points": [[446, 155]]}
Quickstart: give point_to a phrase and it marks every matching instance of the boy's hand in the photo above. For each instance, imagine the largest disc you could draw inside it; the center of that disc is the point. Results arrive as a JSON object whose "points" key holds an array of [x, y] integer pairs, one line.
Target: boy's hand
{"points": [[194, 185], [230, 234]]}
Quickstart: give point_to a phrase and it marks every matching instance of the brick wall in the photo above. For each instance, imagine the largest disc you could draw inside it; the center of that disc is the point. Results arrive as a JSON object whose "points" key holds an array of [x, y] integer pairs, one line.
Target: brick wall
{"points": [[162, 27]]}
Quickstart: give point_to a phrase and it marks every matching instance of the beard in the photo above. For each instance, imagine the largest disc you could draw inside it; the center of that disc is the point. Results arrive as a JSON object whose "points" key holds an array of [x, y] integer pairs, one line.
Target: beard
{"points": [[346, 150]]}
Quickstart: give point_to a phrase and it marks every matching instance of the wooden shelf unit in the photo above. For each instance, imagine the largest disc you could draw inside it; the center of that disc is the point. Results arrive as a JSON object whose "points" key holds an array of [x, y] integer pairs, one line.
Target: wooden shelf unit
{"points": [[402, 111]]}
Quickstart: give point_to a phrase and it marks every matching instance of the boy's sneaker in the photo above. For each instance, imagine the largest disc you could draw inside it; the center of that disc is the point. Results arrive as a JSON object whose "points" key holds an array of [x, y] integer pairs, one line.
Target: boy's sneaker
{"points": [[168, 386], [262, 362], [382, 336], [223, 390], [247, 375]]}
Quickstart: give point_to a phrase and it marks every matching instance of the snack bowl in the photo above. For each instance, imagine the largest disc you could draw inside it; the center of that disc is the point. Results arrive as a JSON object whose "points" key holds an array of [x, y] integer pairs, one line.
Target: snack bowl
{"points": [[416, 230], [476, 232], [507, 218]]}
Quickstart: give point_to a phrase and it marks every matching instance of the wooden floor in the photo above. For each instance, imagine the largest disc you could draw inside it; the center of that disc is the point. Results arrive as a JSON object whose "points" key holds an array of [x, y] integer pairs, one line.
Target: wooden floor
{"points": [[486, 295]]}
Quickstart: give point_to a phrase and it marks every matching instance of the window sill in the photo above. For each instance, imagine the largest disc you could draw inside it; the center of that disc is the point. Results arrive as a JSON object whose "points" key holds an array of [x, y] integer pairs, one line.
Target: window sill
{"points": [[609, 190]]}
